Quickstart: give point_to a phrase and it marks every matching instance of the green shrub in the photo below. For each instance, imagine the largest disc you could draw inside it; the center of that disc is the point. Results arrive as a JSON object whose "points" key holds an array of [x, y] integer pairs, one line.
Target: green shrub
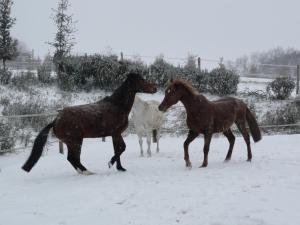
{"points": [[281, 88], [201, 81], [222, 81], [104, 72], [161, 71]]}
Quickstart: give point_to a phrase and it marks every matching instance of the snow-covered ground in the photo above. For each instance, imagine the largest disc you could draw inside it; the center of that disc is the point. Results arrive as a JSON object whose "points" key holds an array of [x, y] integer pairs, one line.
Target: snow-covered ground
{"points": [[157, 190], [253, 84]]}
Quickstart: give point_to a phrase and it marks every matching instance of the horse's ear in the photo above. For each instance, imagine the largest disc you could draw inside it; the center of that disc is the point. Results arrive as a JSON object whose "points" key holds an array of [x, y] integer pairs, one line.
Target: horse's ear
{"points": [[171, 80]]}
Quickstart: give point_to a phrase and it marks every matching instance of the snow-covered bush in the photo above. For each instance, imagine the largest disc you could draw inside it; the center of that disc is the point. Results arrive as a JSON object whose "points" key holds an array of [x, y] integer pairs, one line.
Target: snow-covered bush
{"points": [[24, 80], [223, 81], [288, 114], [200, 81], [44, 73], [36, 104], [4, 100], [281, 88], [7, 140], [161, 71], [105, 72], [5, 76]]}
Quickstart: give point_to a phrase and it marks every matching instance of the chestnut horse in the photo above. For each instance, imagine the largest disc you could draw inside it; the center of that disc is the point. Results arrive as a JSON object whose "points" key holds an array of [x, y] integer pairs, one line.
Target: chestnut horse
{"points": [[208, 117], [107, 117]]}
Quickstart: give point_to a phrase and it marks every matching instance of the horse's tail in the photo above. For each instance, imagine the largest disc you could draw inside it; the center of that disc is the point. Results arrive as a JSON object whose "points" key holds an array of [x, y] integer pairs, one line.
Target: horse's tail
{"points": [[254, 128], [154, 136], [37, 148]]}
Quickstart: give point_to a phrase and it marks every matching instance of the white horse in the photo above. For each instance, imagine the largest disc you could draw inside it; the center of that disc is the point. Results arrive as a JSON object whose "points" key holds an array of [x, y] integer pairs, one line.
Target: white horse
{"points": [[147, 119]]}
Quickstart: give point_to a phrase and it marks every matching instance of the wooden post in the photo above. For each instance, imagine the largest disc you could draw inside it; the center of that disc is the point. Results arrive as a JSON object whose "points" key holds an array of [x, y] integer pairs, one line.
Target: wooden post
{"points": [[298, 77], [61, 147], [199, 64], [122, 56]]}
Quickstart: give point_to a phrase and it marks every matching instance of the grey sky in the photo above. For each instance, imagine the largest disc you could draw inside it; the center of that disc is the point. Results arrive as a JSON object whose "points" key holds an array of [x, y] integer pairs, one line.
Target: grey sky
{"points": [[210, 28]]}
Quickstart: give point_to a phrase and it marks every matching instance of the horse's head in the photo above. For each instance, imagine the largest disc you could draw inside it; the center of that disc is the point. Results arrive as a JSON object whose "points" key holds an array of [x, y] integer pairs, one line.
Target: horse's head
{"points": [[172, 96], [140, 84]]}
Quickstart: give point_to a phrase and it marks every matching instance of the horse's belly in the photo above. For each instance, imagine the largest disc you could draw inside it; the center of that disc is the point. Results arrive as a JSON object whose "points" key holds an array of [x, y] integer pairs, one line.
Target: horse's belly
{"points": [[223, 125]]}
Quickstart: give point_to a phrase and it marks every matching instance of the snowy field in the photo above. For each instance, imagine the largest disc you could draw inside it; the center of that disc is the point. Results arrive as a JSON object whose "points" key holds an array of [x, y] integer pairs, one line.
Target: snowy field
{"points": [[157, 190]]}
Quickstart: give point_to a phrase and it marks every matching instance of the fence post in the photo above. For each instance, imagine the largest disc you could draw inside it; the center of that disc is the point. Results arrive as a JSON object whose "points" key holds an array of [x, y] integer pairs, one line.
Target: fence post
{"points": [[221, 61], [298, 77], [199, 64], [122, 57], [61, 147]]}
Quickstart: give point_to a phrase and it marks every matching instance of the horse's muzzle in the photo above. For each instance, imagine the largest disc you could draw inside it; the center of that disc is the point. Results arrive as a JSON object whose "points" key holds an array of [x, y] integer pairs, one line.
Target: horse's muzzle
{"points": [[162, 108], [153, 90]]}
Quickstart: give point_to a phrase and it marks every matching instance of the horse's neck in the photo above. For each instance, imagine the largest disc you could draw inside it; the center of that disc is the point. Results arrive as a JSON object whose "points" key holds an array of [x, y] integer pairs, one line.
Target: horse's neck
{"points": [[123, 97], [189, 100]]}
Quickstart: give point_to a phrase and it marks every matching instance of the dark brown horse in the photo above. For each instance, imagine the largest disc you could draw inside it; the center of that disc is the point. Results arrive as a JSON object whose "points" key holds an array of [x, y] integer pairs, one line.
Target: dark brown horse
{"points": [[107, 117], [208, 117]]}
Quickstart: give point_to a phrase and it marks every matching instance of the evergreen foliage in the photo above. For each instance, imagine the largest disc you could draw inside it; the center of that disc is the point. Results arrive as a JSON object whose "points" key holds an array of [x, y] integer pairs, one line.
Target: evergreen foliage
{"points": [[8, 45]]}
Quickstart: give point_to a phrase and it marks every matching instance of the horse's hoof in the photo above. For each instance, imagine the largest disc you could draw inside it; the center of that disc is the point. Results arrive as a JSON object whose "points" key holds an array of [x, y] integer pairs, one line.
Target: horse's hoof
{"points": [[87, 173], [84, 172], [226, 160], [188, 165], [249, 160], [110, 164], [121, 169], [141, 155], [203, 166]]}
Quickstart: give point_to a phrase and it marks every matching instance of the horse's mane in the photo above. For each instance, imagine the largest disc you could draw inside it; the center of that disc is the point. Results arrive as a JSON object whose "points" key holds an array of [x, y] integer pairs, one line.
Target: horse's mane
{"points": [[185, 84]]}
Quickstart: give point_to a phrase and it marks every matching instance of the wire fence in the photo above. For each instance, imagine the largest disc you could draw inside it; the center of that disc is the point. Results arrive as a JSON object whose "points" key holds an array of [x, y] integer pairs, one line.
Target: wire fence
{"points": [[31, 118], [165, 130]]}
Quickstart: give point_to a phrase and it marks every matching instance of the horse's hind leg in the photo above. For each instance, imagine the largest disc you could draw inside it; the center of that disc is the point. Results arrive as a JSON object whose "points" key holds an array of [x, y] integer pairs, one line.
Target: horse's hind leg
{"points": [[149, 143], [191, 136], [119, 148], [141, 144], [157, 140], [74, 150], [231, 139], [207, 139], [242, 128]]}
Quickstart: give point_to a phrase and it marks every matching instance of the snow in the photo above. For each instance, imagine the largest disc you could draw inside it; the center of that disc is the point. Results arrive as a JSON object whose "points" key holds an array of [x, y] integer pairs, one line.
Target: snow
{"points": [[157, 190]]}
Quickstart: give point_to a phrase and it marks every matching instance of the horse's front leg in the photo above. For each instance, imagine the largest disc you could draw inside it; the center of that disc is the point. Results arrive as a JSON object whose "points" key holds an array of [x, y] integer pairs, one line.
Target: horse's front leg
{"points": [[191, 136], [119, 148], [207, 139]]}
